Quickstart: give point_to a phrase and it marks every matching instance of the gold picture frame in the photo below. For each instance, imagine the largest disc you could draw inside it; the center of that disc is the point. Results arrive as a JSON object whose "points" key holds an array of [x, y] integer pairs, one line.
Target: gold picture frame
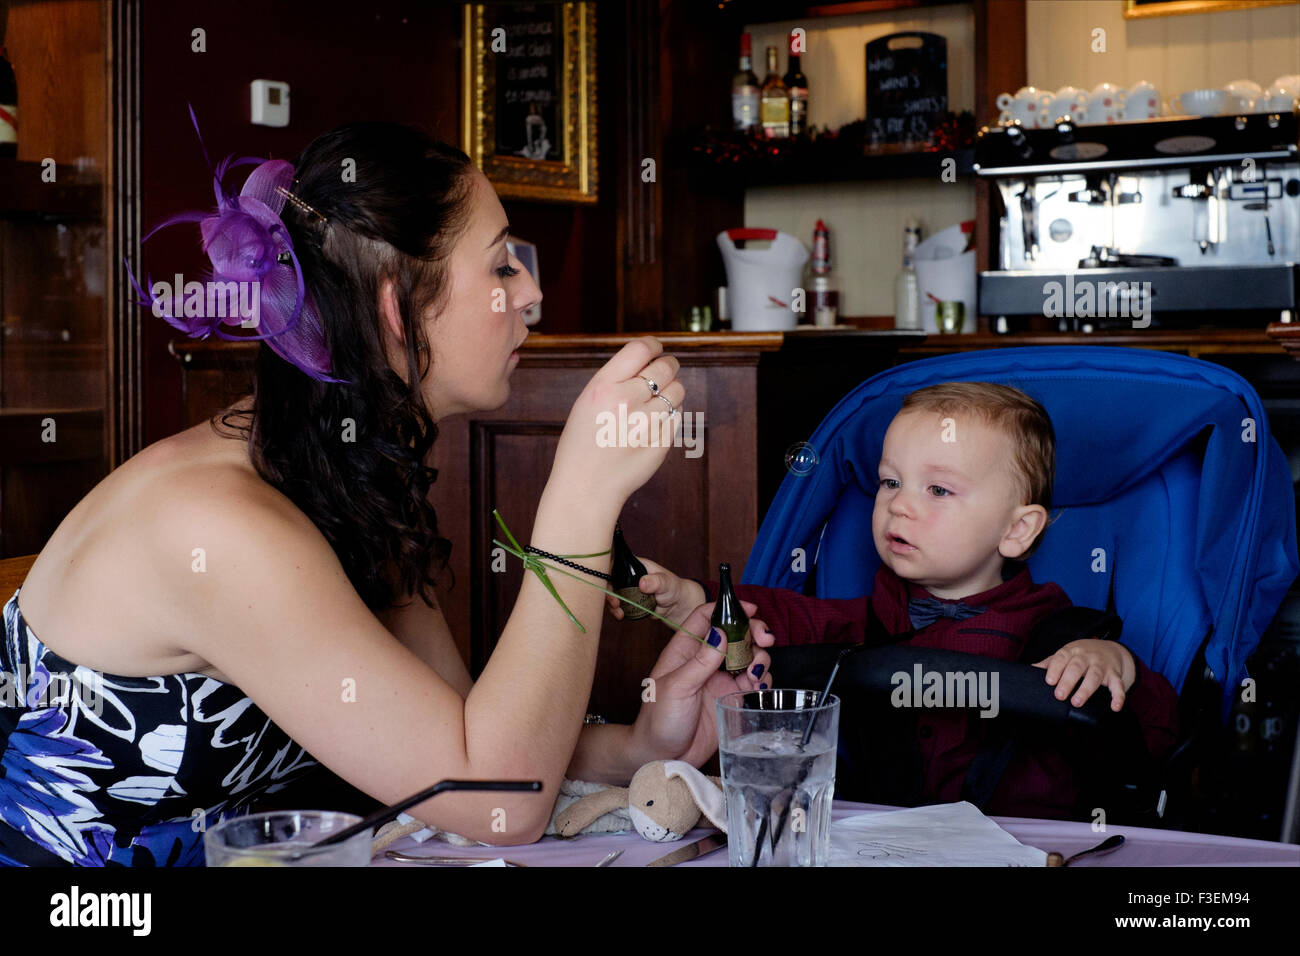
{"points": [[541, 170], [1166, 8]]}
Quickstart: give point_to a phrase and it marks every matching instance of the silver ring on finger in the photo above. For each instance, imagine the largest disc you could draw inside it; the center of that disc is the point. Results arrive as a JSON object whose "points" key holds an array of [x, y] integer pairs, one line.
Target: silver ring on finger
{"points": [[671, 411], [654, 388]]}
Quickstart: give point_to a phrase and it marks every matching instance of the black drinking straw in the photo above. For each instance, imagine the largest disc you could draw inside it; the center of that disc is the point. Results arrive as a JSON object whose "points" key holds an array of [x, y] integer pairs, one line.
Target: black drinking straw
{"points": [[385, 814], [806, 766]]}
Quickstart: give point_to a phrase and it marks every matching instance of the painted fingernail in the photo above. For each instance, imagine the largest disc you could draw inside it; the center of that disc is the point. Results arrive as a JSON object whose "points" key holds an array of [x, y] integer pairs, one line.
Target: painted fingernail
{"points": [[757, 670], [715, 637], [762, 686]]}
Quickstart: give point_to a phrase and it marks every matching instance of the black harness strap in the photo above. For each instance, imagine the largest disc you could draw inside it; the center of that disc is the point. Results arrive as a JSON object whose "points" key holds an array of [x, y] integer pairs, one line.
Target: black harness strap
{"points": [[1050, 634]]}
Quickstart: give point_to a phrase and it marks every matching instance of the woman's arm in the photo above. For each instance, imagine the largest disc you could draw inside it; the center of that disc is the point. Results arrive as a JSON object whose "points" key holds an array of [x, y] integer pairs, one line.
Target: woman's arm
{"points": [[424, 632], [605, 754], [275, 612]]}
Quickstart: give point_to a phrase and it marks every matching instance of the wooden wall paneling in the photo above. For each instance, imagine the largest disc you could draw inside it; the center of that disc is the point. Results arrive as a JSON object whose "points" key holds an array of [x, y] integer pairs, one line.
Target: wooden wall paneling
{"points": [[450, 498], [731, 411], [639, 235], [581, 268], [35, 499], [505, 458], [124, 435], [40, 480], [692, 514], [402, 65], [74, 435]]}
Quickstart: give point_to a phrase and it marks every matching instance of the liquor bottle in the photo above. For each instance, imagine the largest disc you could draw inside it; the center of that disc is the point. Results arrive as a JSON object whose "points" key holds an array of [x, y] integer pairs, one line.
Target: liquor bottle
{"points": [[730, 618], [624, 575], [907, 293], [8, 108], [744, 89], [825, 294], [797, 85], [774, 102]]}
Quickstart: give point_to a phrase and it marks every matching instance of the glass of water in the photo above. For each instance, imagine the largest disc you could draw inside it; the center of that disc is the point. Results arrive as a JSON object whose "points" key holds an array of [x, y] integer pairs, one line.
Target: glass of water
{"points": [[778, 788], [279, 838]]}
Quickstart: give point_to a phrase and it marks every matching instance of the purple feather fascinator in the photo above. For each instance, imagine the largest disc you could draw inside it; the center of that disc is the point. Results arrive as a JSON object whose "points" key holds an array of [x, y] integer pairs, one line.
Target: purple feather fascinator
{"points": [[256, 280]]}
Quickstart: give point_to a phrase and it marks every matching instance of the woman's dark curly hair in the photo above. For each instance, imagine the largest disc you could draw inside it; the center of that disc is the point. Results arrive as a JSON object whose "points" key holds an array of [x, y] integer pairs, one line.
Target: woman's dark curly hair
{"points": [[352, 456]]}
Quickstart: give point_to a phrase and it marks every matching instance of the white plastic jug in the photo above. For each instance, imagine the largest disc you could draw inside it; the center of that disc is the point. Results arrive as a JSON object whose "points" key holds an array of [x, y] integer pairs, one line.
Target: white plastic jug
{"points": [[761, 283]]}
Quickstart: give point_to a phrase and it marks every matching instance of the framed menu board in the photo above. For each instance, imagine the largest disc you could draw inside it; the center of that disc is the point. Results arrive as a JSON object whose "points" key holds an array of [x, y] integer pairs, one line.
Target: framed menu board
{"points": [[529, 87]]}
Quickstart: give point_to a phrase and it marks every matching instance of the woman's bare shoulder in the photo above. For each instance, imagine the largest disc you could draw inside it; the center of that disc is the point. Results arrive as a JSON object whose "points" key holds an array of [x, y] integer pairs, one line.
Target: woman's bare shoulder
{"points": [[128, 575], [207, 487]]}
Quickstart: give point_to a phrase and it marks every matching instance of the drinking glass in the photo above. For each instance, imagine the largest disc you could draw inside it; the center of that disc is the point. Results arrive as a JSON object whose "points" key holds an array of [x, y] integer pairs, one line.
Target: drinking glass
{"points": [[272, 839], [778, 789], [950, 316]]}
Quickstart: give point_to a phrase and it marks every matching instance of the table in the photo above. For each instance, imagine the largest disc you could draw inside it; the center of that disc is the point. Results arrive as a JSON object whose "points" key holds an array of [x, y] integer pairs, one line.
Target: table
{"points": [[1142, 847]]}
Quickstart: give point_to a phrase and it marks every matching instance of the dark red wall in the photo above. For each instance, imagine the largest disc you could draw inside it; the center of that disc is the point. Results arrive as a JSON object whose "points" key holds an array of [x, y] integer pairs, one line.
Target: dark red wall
{"points": [[377, 60]]}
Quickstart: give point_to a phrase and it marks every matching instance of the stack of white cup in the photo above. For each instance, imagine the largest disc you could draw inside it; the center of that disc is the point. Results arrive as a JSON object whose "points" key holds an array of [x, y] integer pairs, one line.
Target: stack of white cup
{"points": [[1107, 103]]}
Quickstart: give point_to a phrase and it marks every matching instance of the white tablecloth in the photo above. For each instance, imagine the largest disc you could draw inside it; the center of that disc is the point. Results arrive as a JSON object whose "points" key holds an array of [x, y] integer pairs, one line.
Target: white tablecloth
{"points": [[1142, 846]]}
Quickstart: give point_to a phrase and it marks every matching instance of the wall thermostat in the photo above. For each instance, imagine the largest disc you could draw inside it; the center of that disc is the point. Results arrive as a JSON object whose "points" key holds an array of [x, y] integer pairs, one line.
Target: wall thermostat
{"points": [[270, 103]]}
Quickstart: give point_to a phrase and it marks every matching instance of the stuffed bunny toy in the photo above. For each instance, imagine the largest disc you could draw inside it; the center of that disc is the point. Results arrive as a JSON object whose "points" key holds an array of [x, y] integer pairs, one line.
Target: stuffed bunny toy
{"points": [[663, 802]]}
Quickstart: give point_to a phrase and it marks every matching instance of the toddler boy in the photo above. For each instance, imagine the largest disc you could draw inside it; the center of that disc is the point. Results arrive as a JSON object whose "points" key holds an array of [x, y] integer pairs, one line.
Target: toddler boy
{"points": [[965, 481]]}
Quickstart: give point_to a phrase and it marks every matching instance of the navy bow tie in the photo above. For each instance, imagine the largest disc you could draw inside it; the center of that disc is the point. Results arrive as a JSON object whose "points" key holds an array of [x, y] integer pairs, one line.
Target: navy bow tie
{"points": [[925, 611]]}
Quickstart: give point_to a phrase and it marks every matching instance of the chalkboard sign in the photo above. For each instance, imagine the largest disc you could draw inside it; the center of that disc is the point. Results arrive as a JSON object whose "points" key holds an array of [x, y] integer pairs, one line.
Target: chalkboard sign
{"points": [[907, 87], [529, 80]]}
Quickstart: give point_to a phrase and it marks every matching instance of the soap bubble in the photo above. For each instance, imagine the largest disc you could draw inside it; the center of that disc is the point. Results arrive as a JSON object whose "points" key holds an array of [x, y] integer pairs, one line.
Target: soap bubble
{"points": [[801, 458]]}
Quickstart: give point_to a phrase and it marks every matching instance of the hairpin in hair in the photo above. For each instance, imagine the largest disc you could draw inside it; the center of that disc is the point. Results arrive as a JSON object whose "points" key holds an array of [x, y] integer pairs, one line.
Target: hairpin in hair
{"points": [[305, 207]]}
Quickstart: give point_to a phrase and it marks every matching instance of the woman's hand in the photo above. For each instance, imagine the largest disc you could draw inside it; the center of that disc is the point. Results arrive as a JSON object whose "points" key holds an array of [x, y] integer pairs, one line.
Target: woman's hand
{"points": [[674, 597], [680, 722], [596, 463]]}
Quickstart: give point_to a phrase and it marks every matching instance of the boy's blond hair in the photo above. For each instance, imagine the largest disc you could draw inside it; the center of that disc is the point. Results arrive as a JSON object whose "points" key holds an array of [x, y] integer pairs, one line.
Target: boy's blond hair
{"points": [[1018, 417]]}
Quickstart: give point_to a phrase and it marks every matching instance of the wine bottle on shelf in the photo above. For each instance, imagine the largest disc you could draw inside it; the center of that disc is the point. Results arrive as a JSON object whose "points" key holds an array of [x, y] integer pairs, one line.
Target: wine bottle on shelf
{"points": [[624, 575], [825, 294], [797, 86], [730, 618], [8, 108], [774, 102], [744, 89], [907, 292]]}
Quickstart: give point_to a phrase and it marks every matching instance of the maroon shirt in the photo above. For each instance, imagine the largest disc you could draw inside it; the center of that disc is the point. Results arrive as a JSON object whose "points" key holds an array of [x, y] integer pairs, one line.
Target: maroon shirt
{"points": [[1038, 782]]}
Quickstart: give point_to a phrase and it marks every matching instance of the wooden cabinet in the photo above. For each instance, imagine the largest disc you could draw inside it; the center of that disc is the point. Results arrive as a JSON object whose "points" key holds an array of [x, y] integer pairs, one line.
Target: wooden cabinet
{"points": [[63, 397]]}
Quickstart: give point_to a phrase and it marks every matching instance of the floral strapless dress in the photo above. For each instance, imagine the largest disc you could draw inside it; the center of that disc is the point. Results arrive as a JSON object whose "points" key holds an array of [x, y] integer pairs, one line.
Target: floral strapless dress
{"points": [[103, 770]]}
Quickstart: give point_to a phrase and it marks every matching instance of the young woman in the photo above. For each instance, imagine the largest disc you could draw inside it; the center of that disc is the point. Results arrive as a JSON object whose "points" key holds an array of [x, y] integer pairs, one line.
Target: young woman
{"points": [[231, 606]]}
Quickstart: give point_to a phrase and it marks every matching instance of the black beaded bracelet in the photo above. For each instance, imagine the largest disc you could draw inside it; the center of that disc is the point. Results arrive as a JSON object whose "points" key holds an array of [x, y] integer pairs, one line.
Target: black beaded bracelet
{"points": [[565, 561]]}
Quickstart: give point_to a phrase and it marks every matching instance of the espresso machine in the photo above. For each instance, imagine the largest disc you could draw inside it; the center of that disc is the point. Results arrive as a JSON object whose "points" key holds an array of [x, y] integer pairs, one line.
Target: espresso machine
{"points": [[1174, 223]]}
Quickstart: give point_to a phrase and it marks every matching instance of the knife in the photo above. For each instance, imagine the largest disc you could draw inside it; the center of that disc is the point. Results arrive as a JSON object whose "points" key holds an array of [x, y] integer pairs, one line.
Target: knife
{"points": [[701, 847]]}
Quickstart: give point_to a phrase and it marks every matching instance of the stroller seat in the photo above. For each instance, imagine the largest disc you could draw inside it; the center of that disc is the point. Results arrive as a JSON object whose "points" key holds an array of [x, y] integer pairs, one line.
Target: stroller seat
{"points": [[1172, 505]]}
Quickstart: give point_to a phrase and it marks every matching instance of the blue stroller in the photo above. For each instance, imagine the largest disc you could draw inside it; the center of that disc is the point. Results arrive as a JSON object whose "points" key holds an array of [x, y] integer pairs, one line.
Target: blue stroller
{"points": [[1176, 512]]}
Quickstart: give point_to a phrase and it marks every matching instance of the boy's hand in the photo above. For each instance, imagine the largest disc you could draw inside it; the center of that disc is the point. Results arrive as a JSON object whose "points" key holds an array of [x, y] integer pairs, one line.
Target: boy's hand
{"points": [[675, 598], [1096, 662]]}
